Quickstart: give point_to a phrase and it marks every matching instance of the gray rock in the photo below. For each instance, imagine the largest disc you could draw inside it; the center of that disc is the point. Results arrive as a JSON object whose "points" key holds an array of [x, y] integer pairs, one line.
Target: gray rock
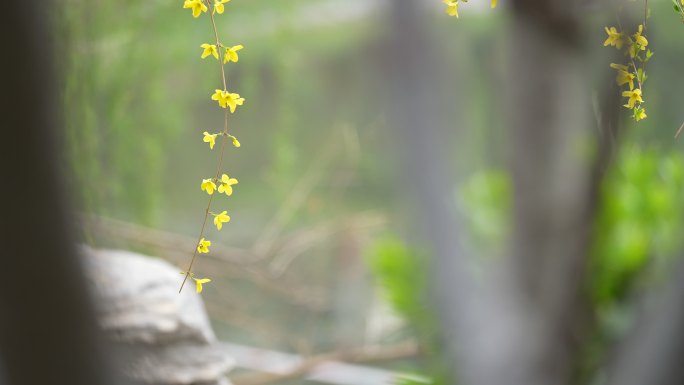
{"points": [[164, 337]]}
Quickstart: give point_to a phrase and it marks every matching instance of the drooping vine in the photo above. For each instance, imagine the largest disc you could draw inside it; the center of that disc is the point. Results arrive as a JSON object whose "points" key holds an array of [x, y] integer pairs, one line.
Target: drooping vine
{"points": [[220, 182]]}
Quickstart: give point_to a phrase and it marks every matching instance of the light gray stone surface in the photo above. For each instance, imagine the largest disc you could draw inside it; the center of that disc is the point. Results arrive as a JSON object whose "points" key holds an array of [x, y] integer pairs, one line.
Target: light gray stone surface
{"points": [[164, 337]]}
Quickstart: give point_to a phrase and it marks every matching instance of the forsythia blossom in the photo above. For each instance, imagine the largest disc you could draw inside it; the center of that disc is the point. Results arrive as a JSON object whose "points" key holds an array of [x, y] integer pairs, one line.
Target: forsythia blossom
{"points": [[639, 38], [452, 7], [639, 43], [203, 246], [199, 282], [218, 6], [208, 185], [634, 96], [623, 75], [210, 138], [209, 49], [220, 219], [221, 97], [236, 143], [227, 99], [614, 38], [197, 7], [225, 186], [231, 53], [233, 101]]}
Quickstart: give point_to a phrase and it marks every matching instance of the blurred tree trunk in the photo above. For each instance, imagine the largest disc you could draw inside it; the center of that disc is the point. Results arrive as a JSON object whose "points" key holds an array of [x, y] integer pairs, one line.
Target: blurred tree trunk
{"points": [[47, 329], [554, 194], [523, 324]]}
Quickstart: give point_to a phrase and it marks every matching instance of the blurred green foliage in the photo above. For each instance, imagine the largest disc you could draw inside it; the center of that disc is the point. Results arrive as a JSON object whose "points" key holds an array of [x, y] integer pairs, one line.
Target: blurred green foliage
{"points": [[640, 220], [402, 274], [638, 229], [115, 147]]}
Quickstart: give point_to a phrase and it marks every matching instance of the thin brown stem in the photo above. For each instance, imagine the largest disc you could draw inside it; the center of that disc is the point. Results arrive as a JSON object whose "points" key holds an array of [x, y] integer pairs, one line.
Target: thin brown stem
{"points": [[218, 47], [645, 13], [679, 131]]}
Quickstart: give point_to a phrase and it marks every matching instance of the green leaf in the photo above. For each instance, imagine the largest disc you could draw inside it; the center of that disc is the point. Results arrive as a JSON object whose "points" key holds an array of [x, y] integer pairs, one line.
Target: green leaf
{"points": [[649, 53], [641, 75]]}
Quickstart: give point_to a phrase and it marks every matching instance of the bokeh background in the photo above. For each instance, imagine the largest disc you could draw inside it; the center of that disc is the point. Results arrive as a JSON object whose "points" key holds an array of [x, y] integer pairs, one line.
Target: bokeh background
{"points": [[319, 255]]}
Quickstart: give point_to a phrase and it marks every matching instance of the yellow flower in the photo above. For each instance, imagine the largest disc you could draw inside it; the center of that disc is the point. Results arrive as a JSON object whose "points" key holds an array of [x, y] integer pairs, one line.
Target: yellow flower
{"points": [[493, 3], [614, 38], [203, 246], [227, 99], [209, 49], [220, 219], [208, 185], [452, 7], [623, 75], [221, 97], [218, 6], [638, 44], [236, 143], [234, 100], [197, 7], [231, 53], [199, 282], [225, 186], [634, 97], [640, 40], [210, 138]]}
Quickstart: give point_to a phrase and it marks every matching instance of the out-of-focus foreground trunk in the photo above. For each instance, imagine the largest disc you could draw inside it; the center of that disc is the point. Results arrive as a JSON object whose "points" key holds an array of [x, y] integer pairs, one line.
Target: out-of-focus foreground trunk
{"points": [[48, 333]]}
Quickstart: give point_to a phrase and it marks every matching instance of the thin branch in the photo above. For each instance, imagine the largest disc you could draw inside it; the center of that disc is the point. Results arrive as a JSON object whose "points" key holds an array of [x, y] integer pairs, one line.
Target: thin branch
{"points": [[295, 246], [311, 298], [301, 190], [364, 354], [679, 131]]}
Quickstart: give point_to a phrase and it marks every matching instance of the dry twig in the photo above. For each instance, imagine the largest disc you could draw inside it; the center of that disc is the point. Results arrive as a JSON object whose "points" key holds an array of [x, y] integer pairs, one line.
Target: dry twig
{"points": [[365, 354]]}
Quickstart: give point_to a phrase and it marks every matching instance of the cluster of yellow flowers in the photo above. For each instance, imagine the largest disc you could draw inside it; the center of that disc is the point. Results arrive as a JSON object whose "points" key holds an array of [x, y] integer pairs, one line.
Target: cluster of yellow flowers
{"points": [[229, 102], [452, 6], [636, 55]]}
